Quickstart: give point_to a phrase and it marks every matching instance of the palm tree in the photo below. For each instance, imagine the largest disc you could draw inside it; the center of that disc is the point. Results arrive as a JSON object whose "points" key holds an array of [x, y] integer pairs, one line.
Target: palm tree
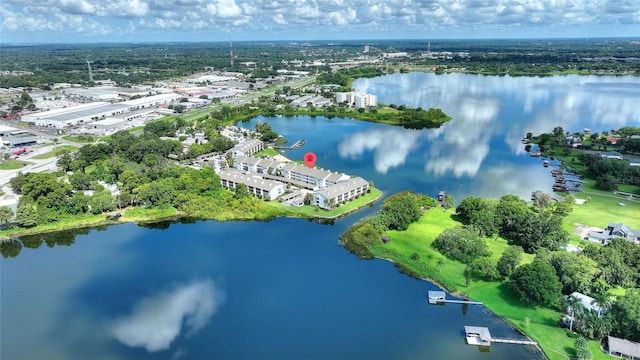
{"points": [[603, 301], [574, 306]]}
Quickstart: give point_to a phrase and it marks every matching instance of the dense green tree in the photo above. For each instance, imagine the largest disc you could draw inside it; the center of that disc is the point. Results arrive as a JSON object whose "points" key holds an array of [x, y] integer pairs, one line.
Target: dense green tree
{"points": [[6, 214], [540, 231], [159, 193], [81, 181], [511, 213], [484, 268], [509, 260], [461, 243], [541, 200], [77, 204], [536, 282], [64, 160], [101, 201], [160, 128], [469, 206], [576, 272], [27, 214], [241, 192], [625, 313], [399, 211]]}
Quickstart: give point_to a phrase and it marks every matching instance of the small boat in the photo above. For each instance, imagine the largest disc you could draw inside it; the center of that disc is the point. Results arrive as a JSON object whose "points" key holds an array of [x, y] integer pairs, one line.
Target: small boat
{"points": [[545, 163]]}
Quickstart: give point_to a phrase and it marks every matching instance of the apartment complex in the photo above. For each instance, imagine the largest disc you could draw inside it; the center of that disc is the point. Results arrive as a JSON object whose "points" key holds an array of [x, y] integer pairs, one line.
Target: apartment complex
{"points": [[357, 99], [260, 175]]}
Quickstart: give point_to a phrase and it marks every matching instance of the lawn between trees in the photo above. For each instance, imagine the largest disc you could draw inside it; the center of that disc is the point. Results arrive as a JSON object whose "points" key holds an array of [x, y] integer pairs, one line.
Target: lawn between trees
{"points": [[538, 322]]}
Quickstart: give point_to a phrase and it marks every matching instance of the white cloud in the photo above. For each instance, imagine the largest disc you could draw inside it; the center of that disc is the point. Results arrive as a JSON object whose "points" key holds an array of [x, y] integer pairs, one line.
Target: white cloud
{"points": [[365, 18], [158, 320]]}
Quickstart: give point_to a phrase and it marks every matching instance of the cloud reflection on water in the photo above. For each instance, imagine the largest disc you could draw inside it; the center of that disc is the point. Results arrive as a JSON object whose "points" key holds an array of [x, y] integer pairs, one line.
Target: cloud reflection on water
{"points": [[390, 146], [484, 107], [158, 320]]}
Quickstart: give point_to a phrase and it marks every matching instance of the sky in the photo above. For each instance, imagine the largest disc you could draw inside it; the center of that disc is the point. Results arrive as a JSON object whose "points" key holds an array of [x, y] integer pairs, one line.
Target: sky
{"points": [[77, 21]]}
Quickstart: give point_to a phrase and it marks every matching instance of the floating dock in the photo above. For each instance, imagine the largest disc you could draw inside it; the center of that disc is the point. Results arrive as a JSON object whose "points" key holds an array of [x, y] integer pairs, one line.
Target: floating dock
{"points": [[439, 297], [480, 336]]}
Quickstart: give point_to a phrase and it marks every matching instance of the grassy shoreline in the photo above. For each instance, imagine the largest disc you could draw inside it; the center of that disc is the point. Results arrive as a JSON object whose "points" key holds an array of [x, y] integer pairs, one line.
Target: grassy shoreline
{"points": [[536, 322], [139, 215]]}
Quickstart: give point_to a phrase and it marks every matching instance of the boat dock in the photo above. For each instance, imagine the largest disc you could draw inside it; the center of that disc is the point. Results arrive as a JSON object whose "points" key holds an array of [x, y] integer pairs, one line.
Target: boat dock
{"points": [[439, 297], [480, 336], [298, 144]]}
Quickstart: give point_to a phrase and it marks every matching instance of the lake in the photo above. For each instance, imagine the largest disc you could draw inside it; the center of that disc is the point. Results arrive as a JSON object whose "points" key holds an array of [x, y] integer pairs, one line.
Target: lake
{"points": [[285, 289]]}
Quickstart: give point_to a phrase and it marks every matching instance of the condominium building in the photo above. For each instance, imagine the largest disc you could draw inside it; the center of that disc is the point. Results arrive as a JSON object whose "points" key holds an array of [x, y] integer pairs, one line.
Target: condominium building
{"points": [[257, 186], [337, 194], [357, 99], [248, 148]]}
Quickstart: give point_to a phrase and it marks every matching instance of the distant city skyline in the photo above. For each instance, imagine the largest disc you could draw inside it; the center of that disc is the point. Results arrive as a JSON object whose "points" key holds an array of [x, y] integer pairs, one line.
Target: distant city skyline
{"points": [[81, 21]]}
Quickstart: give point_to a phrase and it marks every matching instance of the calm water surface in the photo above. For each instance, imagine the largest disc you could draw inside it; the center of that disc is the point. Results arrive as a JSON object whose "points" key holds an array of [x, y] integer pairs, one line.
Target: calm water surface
{"points": [[285, 289]]}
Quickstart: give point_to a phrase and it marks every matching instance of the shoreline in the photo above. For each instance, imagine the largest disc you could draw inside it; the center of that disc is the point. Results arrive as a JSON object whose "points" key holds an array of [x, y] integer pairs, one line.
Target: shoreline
{"points": [[464, 296], [102, 220]]}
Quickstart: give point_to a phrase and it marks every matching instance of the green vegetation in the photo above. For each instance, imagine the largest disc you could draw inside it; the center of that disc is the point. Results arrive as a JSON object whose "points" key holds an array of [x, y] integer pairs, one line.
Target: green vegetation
{"points": [[539, 322], [59, 150], [525, 289], [12, 164]]}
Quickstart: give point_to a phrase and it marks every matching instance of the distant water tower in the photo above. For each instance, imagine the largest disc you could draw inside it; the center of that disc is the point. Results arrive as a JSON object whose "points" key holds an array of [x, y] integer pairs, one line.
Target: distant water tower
{"points": [[366, 48]]}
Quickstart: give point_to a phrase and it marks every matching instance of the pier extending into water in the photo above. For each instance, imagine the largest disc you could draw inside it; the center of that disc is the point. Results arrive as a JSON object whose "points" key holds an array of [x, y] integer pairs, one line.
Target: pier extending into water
{"points": [[480, 336], [439, 297], [298, 144]]}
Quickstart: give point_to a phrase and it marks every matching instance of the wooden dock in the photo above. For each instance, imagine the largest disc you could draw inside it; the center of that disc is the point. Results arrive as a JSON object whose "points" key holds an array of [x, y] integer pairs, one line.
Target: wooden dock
{"points": [[480, 336], [439, 297], [513, 341], [298, 144], [455, 302]]}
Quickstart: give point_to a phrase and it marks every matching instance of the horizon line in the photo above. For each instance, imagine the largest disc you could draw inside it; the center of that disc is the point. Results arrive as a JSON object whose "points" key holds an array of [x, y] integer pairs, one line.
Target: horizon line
{"points": [[587, 38]]}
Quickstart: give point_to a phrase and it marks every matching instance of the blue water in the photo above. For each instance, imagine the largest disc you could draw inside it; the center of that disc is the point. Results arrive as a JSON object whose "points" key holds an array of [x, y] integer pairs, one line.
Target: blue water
{"points": [[286, 289]]}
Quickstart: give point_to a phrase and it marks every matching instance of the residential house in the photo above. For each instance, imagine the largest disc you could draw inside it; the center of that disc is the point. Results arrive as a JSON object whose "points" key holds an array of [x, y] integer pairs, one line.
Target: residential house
{"points": [[615, 230], [587, 302], [573, 140], [611, 155], [623, 348], [634, 162]]}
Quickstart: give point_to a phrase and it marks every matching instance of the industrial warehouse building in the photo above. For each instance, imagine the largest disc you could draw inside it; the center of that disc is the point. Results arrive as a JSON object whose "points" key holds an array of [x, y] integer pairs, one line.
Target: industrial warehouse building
{"points": [[92, 112]]}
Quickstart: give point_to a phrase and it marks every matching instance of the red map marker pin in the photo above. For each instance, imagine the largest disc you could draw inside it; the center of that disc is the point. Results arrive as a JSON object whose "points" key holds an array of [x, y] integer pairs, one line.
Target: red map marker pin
{"points": [[310, 159]]}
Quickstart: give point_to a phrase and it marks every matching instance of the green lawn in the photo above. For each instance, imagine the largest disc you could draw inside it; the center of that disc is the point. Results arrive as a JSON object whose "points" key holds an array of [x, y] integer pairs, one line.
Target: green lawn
{"points": [[267, 152], [83, 139], [55, 152], [540, 323], [13, 164], [313, 211]]}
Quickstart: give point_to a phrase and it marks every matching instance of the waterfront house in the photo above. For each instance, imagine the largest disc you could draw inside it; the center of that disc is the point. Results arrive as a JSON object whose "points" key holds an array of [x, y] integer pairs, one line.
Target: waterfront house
{"points": [[587, 302], [611, 155], [615, 230], [634, 162], [623, 348]]}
